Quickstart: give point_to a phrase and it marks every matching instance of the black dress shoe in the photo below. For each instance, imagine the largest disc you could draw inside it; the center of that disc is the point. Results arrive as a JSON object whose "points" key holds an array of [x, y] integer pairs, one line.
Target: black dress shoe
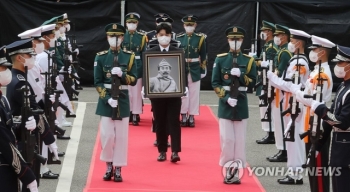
{"points": [[118, 174], [280, 151], [63, 137], [282, 157], [175, 157], [191, 121], [268, 139], [162, 156], [290, 181], [138, 119], [130, 117], [61, 154], [134, 121], [234, 180], [49, 175], [183, 121], [109, 172], [68, 114]]}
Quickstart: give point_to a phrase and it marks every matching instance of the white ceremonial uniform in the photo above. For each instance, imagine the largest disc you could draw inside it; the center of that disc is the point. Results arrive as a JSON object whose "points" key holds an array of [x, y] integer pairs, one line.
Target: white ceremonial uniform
{"points": [[190, 104], [276, 121], [296, 149], [135, 97], [265, 125]]}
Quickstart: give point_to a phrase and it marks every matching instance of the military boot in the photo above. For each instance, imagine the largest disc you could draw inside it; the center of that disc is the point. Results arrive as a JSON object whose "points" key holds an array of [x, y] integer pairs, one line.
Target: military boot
{"points": [[268, 139], [134, 120], [183, 120], [109, 172], [191, 121], [118, 174]]}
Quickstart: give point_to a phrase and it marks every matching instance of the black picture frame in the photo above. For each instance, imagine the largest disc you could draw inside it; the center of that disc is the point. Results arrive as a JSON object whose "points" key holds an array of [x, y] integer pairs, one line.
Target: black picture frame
{"points": [[158, 84]]}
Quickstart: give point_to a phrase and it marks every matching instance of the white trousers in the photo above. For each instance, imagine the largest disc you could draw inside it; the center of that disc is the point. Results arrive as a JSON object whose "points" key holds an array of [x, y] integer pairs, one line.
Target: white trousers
{"points": [[296, 149], [44, 152], [232, 140], [135, 97], [114, 140], [277, 124], [190, 104]]}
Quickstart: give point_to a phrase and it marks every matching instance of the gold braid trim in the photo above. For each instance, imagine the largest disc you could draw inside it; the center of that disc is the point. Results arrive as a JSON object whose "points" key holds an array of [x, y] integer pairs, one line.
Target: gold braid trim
{"points": [[16, 164], [220, 92], [129, 79], [203, 64], [201, 42], [41, 124], [101, 91], [144, 40], [247, 80], [249, 66], [131, 62], [280, 53]]}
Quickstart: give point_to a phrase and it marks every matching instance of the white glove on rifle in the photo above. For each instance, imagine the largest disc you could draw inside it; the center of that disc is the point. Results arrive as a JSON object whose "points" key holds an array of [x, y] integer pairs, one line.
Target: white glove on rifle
{"points": [[52, 98], [269, 74], [252, 54], [53, 148], [113, 103], [264, 64], [295, 88], [236, 72], [30, 124], [117, 71], [33, 186], [315, 104], [232, 102], [77, 51]]}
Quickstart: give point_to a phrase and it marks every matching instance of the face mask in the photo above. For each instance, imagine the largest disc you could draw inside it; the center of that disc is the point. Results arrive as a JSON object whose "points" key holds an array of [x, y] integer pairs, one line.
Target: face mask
{"points": [[263, 36], [57, 34], [237, 46], [339, 71], [277, 40], [164, 40], [29, 62], [120, 40], [39, 48], [189, 29], [5, 77], [67, 26], [62, 30], [291, 47], [52, 42], [313, 56], [131, 26]]}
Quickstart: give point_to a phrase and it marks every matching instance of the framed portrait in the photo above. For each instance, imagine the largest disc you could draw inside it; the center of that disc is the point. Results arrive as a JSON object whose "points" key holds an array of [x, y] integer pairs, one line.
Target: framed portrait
{"points": [[163, 74]]}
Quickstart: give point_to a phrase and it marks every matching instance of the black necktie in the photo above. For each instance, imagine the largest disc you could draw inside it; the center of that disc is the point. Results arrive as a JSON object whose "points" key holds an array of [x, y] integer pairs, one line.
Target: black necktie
{"points": [[164, 50]]}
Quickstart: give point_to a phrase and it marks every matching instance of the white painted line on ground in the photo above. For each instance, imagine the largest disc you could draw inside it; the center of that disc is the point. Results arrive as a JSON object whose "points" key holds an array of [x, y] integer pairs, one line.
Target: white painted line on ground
{"points": [[66, 175]]}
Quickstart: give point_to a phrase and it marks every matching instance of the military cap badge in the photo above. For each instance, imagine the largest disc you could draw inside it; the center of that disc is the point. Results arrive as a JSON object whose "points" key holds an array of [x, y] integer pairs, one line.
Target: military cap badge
{"points": [[234, 29], [114, 26]]}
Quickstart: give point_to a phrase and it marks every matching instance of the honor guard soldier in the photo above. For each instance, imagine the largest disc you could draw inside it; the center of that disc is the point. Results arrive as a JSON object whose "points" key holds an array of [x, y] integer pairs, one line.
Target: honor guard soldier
{"points": [[269, 49], [151, 35], [110, 64], [297, 73], [196, 66], [321, 49], [13, 167], [135, 42], [233, 111], [281, 61]]}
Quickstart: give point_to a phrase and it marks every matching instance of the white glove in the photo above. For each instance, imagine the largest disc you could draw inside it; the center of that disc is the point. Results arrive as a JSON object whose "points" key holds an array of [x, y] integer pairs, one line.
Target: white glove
{"points": [[53, 148], [186, 93], [56, 122], [300, 97], [236, 72], [30, 124], [270, 74], [78, 82], [294, 88], [232, 102], [52, 98], [252, 54], [70, 58], [264, 64], [117, 71], [70, 69], [33, 186], [315, 104], [77, 51], [113, 103]]}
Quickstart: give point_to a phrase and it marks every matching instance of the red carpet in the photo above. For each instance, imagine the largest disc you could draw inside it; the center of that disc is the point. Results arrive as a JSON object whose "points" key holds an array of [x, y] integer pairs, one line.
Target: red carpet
{"points": [[198, 169]]}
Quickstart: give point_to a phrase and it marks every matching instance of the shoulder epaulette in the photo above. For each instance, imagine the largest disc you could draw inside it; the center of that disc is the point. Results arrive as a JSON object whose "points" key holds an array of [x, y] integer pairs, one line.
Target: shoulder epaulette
{"points": [[141, 32], [102, 52], [246, 55], [20, 77], [201, 34], [150, 31], [126, 51], [180, 35], [222, 54]]}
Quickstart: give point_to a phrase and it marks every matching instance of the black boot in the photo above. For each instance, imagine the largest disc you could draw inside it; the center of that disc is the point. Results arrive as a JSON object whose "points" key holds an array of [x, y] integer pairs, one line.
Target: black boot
{"points": [[118, 174], [191, 121], [232, 176], [134, 120], [268, 139], [280, 157], [183, 120], [109, 172], [130, 117], [288, 180], [138, 118]]}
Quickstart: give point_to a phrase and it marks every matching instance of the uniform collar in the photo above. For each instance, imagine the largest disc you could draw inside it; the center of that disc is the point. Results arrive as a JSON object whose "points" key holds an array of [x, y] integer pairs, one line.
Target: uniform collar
{"points": [[284, 46], [166, 49], [189, 35], [238, 54], [347, 82], [322, 65]]}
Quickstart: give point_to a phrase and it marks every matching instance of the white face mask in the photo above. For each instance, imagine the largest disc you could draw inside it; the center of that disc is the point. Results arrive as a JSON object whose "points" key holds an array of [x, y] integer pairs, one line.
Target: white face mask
{"points": [[67, 26], [57, 34], [164, 40], [29, 62], [5, 77], [189, 29], [62, 30], [39, 48], [131, 26], [291, 47], [313, 56], [263, 36], [277, 40], [339, 71], [237, 46], [112, 41], [52, 42]]}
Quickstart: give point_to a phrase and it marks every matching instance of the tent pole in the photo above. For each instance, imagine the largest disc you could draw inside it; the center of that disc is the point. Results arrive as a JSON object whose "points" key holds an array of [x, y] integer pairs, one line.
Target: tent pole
{"points": [[122, 12], [256, 26]]}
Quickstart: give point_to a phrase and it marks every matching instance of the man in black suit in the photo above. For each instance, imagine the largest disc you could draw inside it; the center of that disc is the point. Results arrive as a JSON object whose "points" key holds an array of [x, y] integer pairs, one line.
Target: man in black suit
{"points": [[166, 111]]}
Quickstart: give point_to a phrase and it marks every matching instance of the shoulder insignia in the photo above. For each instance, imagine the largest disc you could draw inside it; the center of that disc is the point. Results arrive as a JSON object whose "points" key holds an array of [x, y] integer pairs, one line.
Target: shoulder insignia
{"points": [[199, 34], [125, 51], [102, 52], [180, 35], [141, 32], [246, 55], [222, 54], [149, 32], [20, 77], [270, 45]]}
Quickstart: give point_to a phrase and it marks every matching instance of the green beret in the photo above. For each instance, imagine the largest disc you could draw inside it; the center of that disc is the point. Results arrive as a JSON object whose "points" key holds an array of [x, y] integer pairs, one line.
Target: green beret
{"points": [[132, 17], [50, 21], [114, 29], [235, 32], [189, 19], [267, 26], [280, 29]]}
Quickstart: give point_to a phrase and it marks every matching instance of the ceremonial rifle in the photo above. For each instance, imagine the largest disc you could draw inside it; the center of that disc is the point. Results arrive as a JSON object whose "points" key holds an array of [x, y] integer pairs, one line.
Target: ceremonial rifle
{"points": [[68, 77], [75, 58], [269, 93]]}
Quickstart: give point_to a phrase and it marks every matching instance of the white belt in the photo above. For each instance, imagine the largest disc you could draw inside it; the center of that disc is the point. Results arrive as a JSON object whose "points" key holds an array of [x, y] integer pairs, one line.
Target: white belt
{"points": [[137, 57], [227, 88], [122, 87], [192, 59]]}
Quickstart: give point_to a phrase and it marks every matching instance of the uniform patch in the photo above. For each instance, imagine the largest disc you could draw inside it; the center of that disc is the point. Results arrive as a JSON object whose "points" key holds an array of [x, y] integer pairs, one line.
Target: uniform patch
{"points": [[95, 63], [108, 75], [58, 44], [214, 65], [20, 77]]}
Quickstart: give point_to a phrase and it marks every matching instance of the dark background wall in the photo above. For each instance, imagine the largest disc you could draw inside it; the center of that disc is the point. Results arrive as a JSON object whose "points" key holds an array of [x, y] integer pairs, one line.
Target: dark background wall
{"points": [[324, 18]]}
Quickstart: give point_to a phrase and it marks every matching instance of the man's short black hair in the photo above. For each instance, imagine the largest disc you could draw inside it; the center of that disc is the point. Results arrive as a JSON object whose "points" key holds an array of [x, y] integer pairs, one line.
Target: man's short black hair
{"points": [[164, 26]]}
